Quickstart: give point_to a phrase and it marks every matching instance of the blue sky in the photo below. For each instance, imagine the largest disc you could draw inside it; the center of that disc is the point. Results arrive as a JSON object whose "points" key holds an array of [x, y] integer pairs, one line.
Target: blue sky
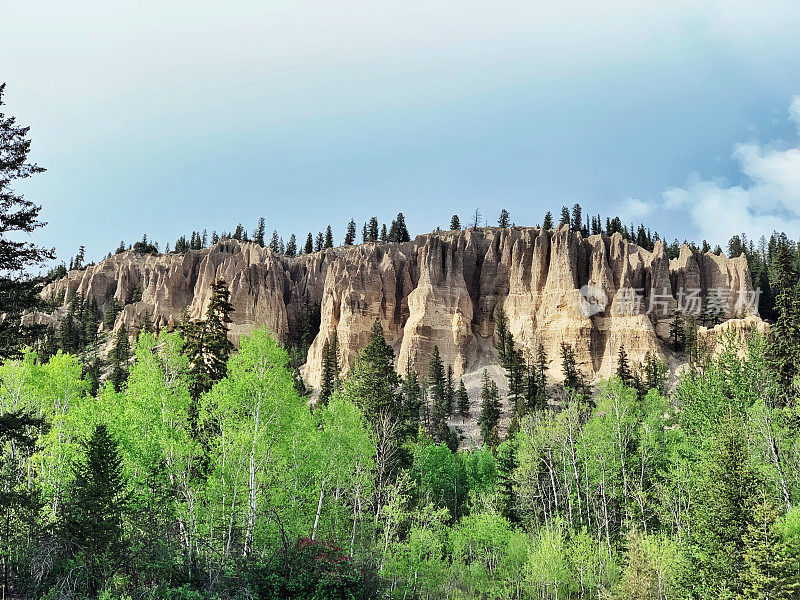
{"points": [[163, 117]]}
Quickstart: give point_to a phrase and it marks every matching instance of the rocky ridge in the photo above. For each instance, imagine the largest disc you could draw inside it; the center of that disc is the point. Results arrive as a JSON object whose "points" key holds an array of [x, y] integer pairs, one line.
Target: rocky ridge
{"points": [[440, 289]]}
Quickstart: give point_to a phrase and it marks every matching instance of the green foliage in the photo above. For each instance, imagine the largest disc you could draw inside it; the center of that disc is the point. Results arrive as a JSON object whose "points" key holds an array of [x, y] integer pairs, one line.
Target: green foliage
{"points": [[93, 516], [490, 411]]}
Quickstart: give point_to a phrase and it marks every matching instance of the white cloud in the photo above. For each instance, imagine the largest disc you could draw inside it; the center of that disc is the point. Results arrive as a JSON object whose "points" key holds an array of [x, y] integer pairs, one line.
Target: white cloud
{"points": [[634, 209], [770, 200]]}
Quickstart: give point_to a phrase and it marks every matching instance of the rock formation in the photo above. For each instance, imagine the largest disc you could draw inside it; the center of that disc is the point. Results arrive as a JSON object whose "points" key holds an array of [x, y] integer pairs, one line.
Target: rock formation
{"points": [[597, 294]]}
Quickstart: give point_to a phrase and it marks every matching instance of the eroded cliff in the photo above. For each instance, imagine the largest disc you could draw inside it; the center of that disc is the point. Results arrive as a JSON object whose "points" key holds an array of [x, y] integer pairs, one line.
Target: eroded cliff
{"points": [[597, 294]]}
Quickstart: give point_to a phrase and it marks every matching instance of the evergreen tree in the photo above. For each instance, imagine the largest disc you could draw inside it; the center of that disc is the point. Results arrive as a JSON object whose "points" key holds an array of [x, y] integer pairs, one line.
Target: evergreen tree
{"points": [[218, 347], [330, 369], [573, 379], [490, 411], [401, 231], [623, 367], [18, 292], [291, 246], [449, 392], [93, 520], [507, 464], [260, 232], [462, 399], [328, 237], [275, 243], [350, 236], [412, 399], [437, 381], [677, 331], [504, 222], [769, 566], [365, 234], [577, 218], [374, 384], [783, 342], [119, 359], [384, 234], [372, 231], [206, 343], [565, 216], [455, 223], [309, 247], [725, 552], [501, 334], [319, 243], [548, 221]]}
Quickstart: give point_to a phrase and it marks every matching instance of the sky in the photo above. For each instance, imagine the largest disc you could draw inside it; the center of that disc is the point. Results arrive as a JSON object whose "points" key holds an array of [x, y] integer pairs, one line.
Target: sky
{"points": [[160, 118]]}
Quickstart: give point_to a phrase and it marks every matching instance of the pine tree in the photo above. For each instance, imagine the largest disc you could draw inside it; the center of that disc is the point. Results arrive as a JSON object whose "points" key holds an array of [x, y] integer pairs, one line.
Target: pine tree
{"points": [[507, 464], [677, 331], [437, 380], [783, 343], [623, 367], [328, 238], [384, 234], [291, 247], [721, 517], [309, 247], [565, 216], [504, 221], [260, 232], [218, 347], [769, 569], [501, 334], [412, 400], [350, 236], [490, 411], [206, 343], [330, 369], [93, 520], [449, 392], [374, 383], [319, 243], [462, 399], [119, 359], [455, 223], [275, 243], [548, 221], [365, 234], [577, 219], [20, 292], [573, 379], [401, 231], [372, 232]]}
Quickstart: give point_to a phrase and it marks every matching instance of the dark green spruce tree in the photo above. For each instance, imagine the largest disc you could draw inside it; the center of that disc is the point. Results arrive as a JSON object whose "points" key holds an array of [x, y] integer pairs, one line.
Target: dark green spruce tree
{"points": [[330, 369], [350, 236], [19, 217], [93, 516], [783, 342], [504, 222]]}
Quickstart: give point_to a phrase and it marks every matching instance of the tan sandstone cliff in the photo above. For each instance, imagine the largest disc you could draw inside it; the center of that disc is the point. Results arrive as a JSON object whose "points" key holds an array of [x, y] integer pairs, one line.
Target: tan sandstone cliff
{"points": [[440, 289]]}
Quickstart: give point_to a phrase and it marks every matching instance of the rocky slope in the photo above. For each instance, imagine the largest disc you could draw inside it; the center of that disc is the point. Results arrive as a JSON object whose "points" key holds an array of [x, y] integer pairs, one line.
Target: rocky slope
{"points": [[440, 289]]}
